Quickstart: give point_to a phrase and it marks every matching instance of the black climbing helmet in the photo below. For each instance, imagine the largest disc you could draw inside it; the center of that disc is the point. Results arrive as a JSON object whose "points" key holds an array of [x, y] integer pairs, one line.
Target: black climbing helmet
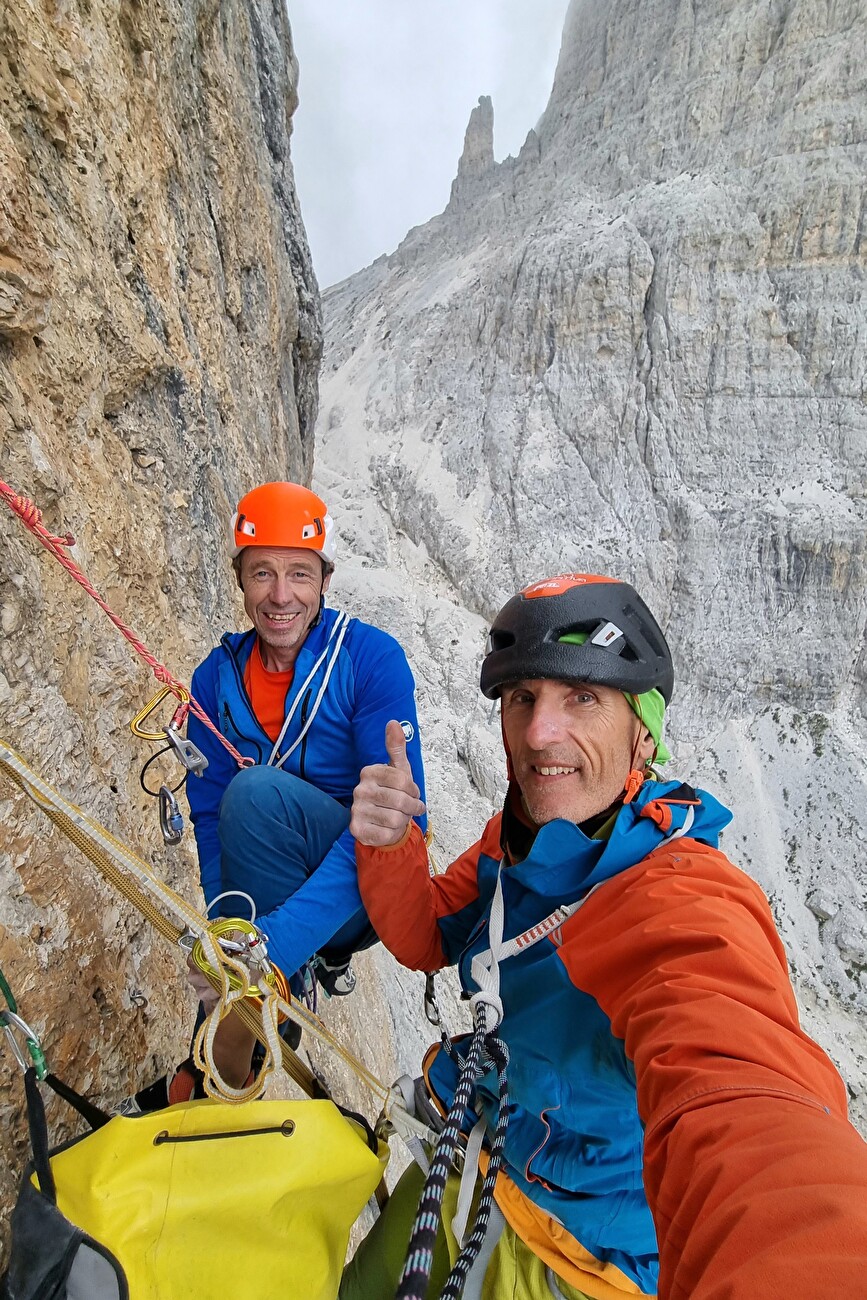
{"points": [[624, 648]]}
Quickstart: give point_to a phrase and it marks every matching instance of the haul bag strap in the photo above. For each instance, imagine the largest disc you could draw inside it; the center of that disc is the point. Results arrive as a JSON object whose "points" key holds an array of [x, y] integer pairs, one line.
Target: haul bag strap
{"points": [[38, 1126], [39, 1135], [86, 1109]]}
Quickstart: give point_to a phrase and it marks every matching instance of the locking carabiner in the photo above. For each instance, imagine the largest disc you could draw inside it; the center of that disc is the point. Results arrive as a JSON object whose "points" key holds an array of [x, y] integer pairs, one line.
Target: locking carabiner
{"points": [[171, 817]]}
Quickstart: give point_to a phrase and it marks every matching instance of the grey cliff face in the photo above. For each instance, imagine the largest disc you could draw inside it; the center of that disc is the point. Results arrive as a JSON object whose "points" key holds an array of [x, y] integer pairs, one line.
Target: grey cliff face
{"points": [[639, 348], [153, 266]]}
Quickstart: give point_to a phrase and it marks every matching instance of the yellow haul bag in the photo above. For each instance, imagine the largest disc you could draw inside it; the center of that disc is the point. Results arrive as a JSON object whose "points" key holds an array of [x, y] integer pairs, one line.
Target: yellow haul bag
{"points": [[204, 1200]]}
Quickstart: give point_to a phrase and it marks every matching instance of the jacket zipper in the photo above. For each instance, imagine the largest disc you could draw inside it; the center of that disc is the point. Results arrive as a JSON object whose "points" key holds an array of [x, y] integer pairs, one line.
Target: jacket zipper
{"points": [[227, 716], [248, 740]]}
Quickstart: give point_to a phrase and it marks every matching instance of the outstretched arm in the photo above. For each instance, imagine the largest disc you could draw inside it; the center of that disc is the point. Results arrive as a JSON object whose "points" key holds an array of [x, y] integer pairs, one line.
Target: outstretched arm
{"points": [[755, 1178]]}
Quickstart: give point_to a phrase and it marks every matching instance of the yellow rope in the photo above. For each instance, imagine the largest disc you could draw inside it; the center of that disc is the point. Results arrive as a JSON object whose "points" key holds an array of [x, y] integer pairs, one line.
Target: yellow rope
{"points": [[259, 1008]]}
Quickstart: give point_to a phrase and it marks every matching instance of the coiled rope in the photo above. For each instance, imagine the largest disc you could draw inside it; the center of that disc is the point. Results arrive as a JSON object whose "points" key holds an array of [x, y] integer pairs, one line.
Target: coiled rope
{"points": [[260, 1007]]}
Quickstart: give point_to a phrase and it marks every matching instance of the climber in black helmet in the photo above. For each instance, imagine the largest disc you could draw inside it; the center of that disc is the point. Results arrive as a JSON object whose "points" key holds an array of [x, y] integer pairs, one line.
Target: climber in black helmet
{"points": [[671, 1128]]}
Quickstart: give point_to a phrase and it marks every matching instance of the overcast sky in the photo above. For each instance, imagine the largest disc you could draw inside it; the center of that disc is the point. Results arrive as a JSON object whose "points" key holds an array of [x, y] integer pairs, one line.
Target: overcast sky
{"points": [[386, 90]]}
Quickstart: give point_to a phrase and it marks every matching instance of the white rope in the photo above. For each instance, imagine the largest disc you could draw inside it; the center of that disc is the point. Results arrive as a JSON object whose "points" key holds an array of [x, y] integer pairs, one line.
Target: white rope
{"points": [[233, 893], [341, 623]]}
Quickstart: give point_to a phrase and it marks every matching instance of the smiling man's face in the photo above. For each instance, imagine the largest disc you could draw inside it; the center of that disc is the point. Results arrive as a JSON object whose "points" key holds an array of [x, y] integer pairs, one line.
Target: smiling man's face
{"points": [[572, 746], [282, 587]]}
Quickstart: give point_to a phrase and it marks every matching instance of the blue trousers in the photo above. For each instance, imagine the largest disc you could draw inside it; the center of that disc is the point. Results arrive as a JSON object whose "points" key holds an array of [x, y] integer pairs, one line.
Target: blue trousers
{"points": [[275, 829]]}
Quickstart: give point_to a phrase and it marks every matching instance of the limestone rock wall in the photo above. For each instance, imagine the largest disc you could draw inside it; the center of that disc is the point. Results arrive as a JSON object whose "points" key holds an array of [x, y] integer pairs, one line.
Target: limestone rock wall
{"points": [[639, 347], [159, 346]]}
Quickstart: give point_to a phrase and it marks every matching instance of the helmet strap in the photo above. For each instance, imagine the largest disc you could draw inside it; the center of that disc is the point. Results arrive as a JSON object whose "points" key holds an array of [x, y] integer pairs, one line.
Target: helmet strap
{"points": [[634, 782], [635, 779]]}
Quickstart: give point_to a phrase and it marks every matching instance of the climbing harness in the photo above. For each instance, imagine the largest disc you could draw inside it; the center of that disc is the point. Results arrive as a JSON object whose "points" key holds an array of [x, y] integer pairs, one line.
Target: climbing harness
{"points": [[486, 1049]]}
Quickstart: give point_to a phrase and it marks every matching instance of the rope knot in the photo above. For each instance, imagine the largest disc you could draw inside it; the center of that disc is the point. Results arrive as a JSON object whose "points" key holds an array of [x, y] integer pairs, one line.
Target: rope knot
{"points": [[494, 1002], [31, 516]]}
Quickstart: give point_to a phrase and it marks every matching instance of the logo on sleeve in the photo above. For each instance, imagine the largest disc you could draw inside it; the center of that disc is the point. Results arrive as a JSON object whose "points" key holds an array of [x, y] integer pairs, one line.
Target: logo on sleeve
{"points": [[408, 730]]}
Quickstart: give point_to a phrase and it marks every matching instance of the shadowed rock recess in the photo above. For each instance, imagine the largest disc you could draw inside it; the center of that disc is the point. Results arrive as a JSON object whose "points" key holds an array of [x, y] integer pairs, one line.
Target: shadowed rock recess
{"points": [[159, 347], [639, 348]]}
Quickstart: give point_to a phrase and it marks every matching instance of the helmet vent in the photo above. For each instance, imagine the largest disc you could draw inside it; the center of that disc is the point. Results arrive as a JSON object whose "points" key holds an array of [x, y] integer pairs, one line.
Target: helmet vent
{"points": [[498, 640]]}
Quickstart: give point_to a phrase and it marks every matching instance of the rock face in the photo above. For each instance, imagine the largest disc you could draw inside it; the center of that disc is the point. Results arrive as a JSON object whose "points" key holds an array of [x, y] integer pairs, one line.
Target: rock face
{"points": [[159, 348], [639, 348]]}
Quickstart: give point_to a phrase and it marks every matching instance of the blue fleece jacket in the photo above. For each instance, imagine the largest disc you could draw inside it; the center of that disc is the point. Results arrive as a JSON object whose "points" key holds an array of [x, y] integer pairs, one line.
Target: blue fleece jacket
{"points": [[370, 684]]}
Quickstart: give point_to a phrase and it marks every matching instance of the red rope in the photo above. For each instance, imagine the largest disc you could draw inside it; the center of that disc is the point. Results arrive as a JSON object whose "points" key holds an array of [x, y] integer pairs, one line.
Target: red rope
{"points": [[31, 516]]}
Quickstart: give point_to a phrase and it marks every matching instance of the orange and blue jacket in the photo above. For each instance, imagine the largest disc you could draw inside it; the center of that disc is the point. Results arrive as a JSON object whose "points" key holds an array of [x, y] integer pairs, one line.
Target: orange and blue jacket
{"points": [[670, 1121]]}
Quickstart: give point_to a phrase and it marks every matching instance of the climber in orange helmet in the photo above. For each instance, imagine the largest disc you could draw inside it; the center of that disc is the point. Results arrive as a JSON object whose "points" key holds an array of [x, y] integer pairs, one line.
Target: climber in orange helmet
{"points": [[305, 693]]}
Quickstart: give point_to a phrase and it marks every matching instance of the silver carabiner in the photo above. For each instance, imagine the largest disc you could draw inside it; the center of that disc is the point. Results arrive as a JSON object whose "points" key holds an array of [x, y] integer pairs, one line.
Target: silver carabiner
{"points": [[10, 1021], [171, 817], [431, 1006]]}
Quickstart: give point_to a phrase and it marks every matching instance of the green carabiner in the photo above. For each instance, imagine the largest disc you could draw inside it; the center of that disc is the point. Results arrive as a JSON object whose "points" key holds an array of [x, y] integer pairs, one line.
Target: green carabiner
{"points": [[11, 1020], [7, 993]]}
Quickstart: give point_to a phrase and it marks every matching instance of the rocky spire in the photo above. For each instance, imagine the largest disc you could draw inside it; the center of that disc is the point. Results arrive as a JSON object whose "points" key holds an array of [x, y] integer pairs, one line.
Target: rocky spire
{"points": [[477, 158]]}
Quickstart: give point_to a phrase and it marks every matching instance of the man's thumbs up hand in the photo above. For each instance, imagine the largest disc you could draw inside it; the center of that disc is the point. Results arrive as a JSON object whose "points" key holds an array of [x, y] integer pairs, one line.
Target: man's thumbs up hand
{"points": [[395, 744], [386, 798]]}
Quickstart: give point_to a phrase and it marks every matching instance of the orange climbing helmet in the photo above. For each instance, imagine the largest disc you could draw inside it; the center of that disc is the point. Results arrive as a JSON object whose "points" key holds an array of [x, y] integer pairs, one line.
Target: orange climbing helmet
{"points": [[284, 514]]}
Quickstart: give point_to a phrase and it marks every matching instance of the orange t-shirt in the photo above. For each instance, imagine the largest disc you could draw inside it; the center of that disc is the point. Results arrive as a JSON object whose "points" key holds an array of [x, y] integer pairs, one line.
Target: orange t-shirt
{"points": [[267, 692]]}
